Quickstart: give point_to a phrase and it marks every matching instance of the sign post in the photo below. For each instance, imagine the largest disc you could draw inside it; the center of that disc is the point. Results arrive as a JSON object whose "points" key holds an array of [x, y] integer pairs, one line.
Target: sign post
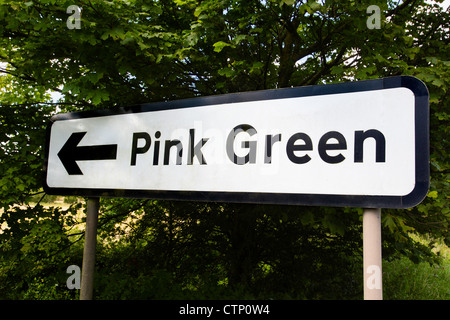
{"points": [[372, 257], [90, 241], [356, 144]]}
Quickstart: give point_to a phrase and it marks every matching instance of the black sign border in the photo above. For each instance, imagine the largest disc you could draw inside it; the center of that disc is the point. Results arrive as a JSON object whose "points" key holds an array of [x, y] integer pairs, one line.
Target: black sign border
{"points": [[422, 169]]}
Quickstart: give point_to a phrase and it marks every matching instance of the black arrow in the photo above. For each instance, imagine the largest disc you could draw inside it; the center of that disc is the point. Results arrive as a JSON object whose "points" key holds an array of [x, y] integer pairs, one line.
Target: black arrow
{"points": [[70, 153]]}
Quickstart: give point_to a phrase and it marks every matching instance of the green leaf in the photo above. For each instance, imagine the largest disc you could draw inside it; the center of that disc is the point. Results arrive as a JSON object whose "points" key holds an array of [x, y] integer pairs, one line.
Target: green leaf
{"points": [[389, 222], [338, 70], [94, 77], [227, 72], [288, 2], [432, 194], [334, 224], [439, 83], [198, 11], [219, 45], [314, 6], [127, 40]]}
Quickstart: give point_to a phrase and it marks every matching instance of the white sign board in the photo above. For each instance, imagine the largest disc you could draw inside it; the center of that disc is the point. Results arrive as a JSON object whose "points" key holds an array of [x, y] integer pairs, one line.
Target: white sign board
{"points": [[353, 144]]}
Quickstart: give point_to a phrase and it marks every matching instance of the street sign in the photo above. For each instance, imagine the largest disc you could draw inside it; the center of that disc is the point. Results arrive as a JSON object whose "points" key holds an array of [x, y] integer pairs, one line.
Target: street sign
{"points": [[358, 144]]}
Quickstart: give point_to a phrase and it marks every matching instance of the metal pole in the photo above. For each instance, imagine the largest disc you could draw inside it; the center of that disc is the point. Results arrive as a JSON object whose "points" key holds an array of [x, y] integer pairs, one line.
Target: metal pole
{"points": [[373, 283], [87, 272]]}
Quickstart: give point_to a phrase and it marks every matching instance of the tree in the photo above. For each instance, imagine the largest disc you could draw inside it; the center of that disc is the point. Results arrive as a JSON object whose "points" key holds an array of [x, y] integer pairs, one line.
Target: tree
{"points": [[139, 51]]}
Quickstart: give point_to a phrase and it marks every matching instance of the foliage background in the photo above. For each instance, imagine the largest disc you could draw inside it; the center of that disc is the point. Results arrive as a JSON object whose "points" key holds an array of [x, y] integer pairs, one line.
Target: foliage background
{"points": [[139, 51]]}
